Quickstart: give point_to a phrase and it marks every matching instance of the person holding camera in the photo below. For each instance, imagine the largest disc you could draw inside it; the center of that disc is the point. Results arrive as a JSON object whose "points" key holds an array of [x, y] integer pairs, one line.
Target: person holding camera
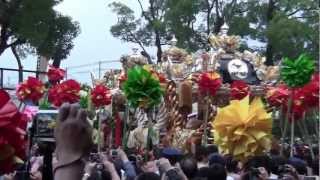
{"points": [[104, 170], [73, 142], [72, 126]]}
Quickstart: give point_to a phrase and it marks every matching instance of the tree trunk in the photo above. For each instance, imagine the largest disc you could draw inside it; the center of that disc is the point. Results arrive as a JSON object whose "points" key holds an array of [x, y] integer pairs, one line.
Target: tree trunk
{"points": [[209, 9], [158, 45], [20, 67], [269, 55], [56, 63], [219, 21], [269, 50], [2, 49]]}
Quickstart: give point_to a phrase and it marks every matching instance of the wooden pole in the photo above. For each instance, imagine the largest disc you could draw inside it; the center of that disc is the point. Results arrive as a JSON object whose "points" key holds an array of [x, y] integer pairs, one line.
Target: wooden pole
{"points": [[292, 124], [286, 121], [206, 114], [292, 137], [99, 129]]}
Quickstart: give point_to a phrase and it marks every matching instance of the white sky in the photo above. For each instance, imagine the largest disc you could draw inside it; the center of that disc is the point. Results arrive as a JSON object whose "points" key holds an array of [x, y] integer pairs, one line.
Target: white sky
{"points": [[95, 43]]}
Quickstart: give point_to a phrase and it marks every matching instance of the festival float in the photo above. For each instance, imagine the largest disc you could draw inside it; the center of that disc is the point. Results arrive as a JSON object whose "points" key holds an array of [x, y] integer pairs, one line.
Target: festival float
{"points": [[223, 97]]}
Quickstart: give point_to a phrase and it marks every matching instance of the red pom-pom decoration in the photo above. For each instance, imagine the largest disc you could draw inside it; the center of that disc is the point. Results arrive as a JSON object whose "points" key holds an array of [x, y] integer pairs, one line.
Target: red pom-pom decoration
{"points": [[239, 90], [100, 96], [31, 89], [67, 91], [209, 83], [55, 75], [12, 131]]}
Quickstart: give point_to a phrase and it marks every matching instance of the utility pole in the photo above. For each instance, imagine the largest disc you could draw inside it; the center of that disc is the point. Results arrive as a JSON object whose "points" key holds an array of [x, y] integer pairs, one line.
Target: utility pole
{"points": [[66, 76], [99, 69]]}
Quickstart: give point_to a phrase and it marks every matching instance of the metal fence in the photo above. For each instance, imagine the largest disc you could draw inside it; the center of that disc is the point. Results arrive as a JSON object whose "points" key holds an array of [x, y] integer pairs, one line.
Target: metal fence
{"points": [[21, 74]]}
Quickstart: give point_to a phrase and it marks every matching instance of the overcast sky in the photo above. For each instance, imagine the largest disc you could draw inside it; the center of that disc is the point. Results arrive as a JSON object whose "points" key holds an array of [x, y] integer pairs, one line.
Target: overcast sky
{"points": [[95, 43]]}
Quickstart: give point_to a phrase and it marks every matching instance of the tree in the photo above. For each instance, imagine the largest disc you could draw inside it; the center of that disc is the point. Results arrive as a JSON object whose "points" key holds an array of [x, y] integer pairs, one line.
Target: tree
{"points": [[286, 27], [147, 30], [59, 41], [180, 17], [127, 27], [33, 26]]}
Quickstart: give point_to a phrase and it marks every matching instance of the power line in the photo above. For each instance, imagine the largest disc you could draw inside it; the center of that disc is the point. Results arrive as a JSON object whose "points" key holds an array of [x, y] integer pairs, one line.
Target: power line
{"points": [[93, 64]]}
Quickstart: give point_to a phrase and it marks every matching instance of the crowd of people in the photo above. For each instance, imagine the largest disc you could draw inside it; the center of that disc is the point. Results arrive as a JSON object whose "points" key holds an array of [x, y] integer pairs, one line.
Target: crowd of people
{"points": [[76, 158]]}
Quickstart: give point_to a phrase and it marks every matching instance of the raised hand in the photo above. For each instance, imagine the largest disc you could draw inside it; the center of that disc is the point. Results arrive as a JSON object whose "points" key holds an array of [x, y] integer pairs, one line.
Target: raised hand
{"points": [[73, 134]]}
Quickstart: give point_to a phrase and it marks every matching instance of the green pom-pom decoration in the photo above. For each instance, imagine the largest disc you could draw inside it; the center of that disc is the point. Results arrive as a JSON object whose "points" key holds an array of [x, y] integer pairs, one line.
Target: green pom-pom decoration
{"points": [[142, 89], [298, 72]]}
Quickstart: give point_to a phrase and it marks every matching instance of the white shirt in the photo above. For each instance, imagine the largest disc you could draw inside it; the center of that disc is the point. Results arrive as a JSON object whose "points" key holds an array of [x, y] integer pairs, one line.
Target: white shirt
{"points": [[229, 178]]}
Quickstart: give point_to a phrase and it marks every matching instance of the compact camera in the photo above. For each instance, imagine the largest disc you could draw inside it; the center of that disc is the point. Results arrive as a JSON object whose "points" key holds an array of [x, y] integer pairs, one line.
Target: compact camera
{"points": [[44, 124]]}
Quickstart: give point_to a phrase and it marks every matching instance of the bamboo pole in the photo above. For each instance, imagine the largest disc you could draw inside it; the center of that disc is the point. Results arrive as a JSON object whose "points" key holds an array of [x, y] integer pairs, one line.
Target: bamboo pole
{"points": [[286, 125]]}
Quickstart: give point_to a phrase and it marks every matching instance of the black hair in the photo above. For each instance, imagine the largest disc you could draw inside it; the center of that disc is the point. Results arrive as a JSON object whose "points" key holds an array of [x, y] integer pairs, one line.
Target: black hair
{"points": [[217, 172], [201, 152], [248, 176], [258, 161], [173, 159], [212, 149], [98, 174], [217, 158], [276, 161], [203, 172], [231, 164], [148, 176], [189, 166]]}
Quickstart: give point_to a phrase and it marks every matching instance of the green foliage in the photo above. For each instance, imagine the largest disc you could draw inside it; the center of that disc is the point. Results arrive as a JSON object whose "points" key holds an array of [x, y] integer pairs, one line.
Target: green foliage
{"points": [[84, 102], [290, 27], [288, 36], [34, 24], [128, 28], [142, 89], [59, 41], [44, 104], [298, 72], [290, 30]]}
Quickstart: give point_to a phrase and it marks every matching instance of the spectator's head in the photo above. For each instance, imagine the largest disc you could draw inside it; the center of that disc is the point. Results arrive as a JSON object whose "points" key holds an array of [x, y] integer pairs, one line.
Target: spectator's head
{"points": [[97, 174], [216, 158], [298, 164], [231, 164], [172, 154], [203, 172], [212, 149], [189, 167], [148, 176], [258, 161], [201, 153], [276, 162], [217, 172]]}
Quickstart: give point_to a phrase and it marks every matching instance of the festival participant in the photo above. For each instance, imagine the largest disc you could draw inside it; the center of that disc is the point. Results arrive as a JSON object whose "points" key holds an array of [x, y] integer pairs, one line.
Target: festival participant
{"points": [[148, 176], [277, 161], [216, 158], [202, 156], [73, 142], [212, 149], [189, 167], [126, 165], [170, 172], [298, 165], [232, 167], [105, 171], [215, 171], [257, 166]]}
